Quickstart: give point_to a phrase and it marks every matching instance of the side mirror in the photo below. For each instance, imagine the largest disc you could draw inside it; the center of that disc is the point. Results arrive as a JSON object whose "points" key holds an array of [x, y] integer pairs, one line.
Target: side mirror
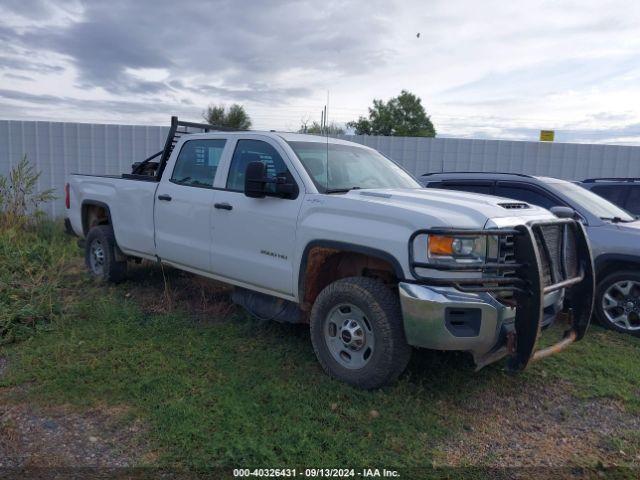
{"points": [[254, 180], [563, 212]]}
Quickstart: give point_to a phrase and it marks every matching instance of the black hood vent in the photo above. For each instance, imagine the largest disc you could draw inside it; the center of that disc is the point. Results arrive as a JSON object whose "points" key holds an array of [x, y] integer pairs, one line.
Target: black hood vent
{"points": [[514, 205]]}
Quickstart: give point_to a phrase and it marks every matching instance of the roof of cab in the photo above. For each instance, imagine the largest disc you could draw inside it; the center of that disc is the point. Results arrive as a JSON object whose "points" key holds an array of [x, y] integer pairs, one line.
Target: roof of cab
{"points": [[286, 136], [305, 137]]}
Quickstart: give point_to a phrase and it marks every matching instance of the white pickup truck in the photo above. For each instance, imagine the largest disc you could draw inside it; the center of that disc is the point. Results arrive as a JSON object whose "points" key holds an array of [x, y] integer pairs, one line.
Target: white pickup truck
{"points": [[334, 234]]}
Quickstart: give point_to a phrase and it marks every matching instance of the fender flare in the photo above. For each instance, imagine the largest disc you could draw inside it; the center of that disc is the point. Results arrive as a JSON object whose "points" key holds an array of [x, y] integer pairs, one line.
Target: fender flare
{"points": [[602, 261]]}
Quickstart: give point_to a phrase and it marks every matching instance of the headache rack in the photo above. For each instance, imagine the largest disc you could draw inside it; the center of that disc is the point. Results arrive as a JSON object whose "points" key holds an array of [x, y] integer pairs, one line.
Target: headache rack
{"points": [[533, 260], [147, 169]]}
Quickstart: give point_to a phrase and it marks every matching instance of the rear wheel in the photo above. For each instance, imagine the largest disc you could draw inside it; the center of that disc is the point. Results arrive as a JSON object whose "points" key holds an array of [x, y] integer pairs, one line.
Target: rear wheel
{"points": [[357, 332], [100, 257], [618, 302]]}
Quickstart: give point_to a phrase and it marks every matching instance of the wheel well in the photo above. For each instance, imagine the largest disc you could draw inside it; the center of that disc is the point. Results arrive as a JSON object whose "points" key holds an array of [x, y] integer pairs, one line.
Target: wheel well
{"points": [[325, 265], [94, 214], [615, 266]]}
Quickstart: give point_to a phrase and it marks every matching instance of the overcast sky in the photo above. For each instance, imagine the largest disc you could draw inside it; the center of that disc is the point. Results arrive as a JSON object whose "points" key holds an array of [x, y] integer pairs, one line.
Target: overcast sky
{"points": [[483, 69]]}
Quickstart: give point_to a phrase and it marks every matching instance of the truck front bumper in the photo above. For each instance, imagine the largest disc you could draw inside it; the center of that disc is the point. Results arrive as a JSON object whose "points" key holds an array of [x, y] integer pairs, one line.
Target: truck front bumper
{"points": [[458, 312], [444, 318]]}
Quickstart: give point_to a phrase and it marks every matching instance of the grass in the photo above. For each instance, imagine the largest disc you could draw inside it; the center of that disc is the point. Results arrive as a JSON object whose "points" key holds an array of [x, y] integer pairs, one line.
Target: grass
{"points": [[236, 392]]}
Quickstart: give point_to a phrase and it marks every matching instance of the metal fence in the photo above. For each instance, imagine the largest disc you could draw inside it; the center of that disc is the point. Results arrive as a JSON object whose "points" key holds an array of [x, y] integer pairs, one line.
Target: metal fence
{"points": [[569, 161], [58, 149]]}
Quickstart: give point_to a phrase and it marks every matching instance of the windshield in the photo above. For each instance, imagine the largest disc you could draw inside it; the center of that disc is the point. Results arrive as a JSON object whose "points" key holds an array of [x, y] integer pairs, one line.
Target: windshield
{"points": [[595, 204], [349, 167]]}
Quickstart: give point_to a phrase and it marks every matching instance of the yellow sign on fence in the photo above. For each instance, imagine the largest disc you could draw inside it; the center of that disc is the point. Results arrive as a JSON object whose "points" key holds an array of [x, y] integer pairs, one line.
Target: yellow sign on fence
{"points": [[547, 135]]}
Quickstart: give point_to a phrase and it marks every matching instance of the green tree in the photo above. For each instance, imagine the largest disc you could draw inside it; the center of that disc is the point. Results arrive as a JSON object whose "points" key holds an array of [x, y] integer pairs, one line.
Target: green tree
{"points": [[315, 128], [235, 117], [402, 116]]}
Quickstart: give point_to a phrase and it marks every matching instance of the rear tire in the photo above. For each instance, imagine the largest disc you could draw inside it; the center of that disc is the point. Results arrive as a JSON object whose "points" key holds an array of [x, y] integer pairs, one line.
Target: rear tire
{"points": [[100, 257], [358, 334], [617, 303]]}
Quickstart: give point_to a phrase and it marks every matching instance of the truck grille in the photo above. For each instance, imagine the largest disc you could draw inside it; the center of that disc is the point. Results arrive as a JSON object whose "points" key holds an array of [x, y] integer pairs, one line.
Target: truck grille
{"points": [[506, 254], [558, 252]]}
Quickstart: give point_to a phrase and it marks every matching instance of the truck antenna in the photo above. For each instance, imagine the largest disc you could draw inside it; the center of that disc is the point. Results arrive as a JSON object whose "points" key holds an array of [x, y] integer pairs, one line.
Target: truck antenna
{"points": [[326, 127]]}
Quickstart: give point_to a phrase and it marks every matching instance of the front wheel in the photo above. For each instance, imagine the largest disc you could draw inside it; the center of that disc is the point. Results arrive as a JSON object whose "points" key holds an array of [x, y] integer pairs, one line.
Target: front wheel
{"points": [[618, 302], [357, 332]]}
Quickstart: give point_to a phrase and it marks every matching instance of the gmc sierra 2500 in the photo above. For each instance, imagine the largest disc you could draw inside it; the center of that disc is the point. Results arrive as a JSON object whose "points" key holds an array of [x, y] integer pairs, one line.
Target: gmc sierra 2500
{"points": [[324, 231]]}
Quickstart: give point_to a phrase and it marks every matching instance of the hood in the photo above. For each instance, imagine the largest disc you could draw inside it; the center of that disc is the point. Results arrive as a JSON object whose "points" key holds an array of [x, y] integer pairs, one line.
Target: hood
{"points": [[450, 206], [630, 227]]}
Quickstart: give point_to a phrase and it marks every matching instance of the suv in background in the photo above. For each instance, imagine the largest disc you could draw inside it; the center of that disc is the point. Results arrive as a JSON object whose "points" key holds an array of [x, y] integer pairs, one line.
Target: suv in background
{"points": [[624, 192], [614, 234]]}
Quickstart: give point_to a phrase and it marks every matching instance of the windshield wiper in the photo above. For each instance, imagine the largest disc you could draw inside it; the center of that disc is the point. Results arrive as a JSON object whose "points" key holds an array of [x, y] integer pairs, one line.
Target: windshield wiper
{"points": [[341, 190], [615, 219]]}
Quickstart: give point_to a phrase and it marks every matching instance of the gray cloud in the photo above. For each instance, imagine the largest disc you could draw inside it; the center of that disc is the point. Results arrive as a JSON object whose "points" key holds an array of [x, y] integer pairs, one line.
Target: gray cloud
{"points": [[34, 103], [15, 76], [14, 63], [238, 48]]}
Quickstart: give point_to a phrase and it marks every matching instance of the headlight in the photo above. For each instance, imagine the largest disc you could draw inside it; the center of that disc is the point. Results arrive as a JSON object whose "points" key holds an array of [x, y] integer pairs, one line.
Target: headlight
{"points": [[460, 249]]}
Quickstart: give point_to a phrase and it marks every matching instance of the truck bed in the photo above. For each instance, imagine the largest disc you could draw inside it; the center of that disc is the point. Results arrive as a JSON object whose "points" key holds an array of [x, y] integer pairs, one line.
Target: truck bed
{"points": [[129, 203]]}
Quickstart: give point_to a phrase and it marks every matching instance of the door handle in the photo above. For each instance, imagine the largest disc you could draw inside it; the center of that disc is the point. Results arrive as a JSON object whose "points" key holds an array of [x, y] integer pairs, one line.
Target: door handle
{"points": [[165, 197], [223, 206]]}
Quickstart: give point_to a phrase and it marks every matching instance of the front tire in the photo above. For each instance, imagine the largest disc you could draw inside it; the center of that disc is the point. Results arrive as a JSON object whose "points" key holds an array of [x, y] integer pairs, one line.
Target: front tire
{"points": [[100, 257], [618, 302], [357, 332]]}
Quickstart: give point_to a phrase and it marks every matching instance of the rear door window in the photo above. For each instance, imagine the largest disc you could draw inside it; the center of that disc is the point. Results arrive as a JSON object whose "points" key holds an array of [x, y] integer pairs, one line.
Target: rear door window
{"points": [[197, 163], [633, 201], [528, 195], [485, 188]]}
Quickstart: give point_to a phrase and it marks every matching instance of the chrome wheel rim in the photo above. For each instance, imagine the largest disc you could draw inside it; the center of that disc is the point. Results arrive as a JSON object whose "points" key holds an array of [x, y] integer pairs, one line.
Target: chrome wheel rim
{"points": [[621, 304], [96, 257], [349, 336]]}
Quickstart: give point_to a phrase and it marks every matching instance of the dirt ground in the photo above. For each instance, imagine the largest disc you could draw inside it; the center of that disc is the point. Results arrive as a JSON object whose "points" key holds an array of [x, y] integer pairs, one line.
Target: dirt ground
{"points": [[60, 437], [543, 427]]}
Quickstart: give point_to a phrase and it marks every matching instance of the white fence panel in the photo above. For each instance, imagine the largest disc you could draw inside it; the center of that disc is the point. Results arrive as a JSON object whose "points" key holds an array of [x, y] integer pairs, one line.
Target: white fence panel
{"points": [[58, 149]]}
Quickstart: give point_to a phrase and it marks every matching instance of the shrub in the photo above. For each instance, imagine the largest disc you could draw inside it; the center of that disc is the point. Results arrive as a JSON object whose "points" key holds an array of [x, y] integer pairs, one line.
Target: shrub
{"points": [[19, 198]]}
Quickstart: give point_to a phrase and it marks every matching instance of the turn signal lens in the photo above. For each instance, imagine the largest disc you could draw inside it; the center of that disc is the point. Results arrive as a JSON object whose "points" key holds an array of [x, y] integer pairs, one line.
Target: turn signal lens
{"points": [[440, 245]]}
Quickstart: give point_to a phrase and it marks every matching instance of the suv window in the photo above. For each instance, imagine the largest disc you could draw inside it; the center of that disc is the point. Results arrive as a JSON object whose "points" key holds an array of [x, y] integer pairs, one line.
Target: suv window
{"points": [[614, 193], [486, 189], [633, 202], [197, 163], [248, 151], [528, 195]]}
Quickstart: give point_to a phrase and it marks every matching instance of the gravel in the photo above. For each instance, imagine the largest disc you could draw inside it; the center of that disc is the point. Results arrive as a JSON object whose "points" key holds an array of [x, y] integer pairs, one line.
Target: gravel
{"points": [[60, 437], [540, 427]]}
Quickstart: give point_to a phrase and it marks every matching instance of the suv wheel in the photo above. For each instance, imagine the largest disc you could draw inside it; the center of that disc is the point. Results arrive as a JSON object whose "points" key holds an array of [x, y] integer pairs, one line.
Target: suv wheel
{"points": [[618, 302], [100, 255], [357, 332]]}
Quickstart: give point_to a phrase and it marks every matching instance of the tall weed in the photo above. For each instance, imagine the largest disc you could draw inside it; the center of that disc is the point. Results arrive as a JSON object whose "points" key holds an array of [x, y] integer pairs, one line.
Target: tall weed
{"points": [[19, 196], [33, 256], [34, 264]]}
